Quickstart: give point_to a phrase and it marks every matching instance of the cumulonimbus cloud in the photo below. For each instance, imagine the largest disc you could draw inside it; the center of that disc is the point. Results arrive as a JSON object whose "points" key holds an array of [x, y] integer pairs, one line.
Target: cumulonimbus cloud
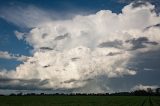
{"points": [[70, 53]]}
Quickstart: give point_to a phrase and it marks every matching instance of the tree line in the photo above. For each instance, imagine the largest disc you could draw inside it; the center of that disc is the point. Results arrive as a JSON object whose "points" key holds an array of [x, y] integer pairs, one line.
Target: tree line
{"points": [[148, 92]]}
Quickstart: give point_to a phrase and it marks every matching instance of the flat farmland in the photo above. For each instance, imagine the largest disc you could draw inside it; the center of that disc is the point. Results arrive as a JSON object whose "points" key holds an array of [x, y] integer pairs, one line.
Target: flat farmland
{"points": [[79, 100]]}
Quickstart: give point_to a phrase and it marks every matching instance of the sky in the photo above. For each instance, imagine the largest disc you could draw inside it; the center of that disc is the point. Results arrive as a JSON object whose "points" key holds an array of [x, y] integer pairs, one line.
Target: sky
{"points": [[79, 46]]}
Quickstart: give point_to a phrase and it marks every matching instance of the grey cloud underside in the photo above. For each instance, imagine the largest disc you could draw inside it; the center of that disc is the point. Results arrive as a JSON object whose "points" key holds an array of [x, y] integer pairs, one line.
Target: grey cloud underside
{"points": [[75, 58], [116, 44], [140, 42], [149, 60], [58, 38], [32, 84], [22, 84], [136, 42], [95, 85], [62, 37], [113, 53], [46, 48], [137, 3], [46, 66], [76, 81], [157, 25]]}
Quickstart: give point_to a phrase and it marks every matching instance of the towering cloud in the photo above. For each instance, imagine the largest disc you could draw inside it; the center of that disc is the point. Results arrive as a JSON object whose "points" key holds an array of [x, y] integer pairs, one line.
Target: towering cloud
{"points": [[71, 53]]}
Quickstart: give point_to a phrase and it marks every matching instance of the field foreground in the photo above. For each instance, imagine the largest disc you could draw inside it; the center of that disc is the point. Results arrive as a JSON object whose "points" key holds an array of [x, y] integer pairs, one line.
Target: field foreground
{"points": [[79, 101]]}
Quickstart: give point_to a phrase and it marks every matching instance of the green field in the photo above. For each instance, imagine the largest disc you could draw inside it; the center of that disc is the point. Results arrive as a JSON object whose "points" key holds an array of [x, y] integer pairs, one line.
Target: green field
{"points": [[79, 101]]}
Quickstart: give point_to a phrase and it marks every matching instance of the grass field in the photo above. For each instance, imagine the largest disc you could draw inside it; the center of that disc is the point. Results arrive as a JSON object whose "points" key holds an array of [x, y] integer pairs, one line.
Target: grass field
{"points": [[79, 101]]}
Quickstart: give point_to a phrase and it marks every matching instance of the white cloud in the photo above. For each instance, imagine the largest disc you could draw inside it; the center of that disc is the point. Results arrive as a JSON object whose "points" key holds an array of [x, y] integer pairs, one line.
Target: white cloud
{"points": [[19, 35], [6, 55], [67, 52], [71, 69], [144, 87]]}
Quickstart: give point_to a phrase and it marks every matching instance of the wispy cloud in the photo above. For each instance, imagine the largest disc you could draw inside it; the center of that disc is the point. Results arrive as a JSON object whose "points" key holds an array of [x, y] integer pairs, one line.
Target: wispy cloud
{"points": [[28, 16]]}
